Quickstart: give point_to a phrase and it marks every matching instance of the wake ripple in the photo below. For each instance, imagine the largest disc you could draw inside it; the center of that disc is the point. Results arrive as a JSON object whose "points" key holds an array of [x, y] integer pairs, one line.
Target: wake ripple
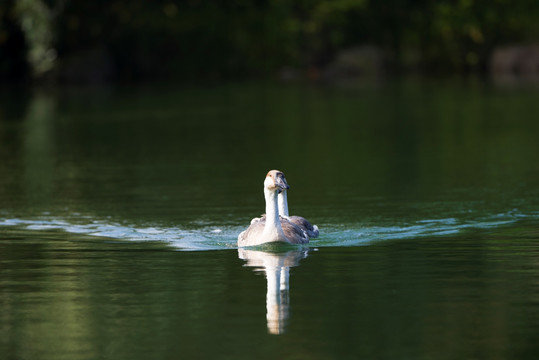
{"points": [[218, 238], [206, 238]]}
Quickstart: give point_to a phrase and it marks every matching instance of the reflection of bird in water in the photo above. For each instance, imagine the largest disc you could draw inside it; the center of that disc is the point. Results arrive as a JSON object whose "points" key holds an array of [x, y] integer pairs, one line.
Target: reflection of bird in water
{"points": [[277, 268], [273, 228]]}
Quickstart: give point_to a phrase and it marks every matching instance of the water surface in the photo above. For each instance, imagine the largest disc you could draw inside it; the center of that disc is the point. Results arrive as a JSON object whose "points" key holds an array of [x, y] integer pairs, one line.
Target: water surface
{"points": [[120, 209]]}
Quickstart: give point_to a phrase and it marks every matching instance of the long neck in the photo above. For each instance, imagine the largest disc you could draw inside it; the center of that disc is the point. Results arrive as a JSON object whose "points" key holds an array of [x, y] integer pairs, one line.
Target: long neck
{"points": [[272, 212], [283, 203]]}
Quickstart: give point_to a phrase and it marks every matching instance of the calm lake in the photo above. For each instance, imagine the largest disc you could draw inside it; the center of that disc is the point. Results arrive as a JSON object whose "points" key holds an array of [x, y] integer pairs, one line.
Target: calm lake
{"points": [[120, 208]]}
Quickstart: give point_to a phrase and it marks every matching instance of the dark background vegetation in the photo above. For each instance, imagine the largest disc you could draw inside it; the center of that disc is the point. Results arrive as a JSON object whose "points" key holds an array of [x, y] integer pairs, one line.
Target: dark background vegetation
{"points": [[108, 40]]}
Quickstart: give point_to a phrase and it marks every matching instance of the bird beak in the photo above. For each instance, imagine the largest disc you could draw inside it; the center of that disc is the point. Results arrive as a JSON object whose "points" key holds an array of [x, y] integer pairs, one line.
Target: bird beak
{"points": [[281, 183]]}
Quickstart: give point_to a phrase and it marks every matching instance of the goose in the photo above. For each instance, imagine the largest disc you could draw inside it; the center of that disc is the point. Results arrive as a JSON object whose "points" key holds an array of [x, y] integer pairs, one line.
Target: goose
{"points": [[311, 230], [272, 228]]}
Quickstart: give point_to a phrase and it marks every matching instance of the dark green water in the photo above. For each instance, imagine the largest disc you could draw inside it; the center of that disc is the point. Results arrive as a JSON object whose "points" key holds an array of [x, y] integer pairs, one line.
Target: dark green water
{"points": [[120, 209]]}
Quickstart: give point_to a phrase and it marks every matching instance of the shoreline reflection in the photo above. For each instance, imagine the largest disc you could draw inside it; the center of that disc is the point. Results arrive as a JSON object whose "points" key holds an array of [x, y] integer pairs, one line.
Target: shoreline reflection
{"points": [[276, 266]]}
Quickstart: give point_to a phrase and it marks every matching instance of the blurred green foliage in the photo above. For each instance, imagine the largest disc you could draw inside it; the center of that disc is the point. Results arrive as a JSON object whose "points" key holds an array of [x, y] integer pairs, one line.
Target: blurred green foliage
{"points": [[229, 38]]}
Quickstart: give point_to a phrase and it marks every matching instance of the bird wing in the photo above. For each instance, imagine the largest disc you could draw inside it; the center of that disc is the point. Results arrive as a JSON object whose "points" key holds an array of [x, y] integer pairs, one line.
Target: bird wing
{"points": [[252, 232], [311, 230]]}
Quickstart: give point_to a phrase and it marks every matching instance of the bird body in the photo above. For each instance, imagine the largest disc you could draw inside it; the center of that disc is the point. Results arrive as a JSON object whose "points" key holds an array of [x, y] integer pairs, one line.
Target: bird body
{"points": [[272, 227], [311, 230]]}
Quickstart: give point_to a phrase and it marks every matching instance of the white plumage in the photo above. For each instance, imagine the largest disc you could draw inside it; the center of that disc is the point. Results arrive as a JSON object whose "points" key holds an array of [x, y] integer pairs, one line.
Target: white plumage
{"points": [[274, 228]]}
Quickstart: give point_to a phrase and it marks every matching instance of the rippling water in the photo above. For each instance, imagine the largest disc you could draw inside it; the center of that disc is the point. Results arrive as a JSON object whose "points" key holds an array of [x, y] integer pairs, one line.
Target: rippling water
{"points": [[201, 237], [120, 209]]}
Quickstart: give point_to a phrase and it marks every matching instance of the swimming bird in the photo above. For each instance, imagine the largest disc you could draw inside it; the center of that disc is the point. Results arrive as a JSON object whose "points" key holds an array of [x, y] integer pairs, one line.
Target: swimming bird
{"points": [[272, 228], [311, 230]]}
